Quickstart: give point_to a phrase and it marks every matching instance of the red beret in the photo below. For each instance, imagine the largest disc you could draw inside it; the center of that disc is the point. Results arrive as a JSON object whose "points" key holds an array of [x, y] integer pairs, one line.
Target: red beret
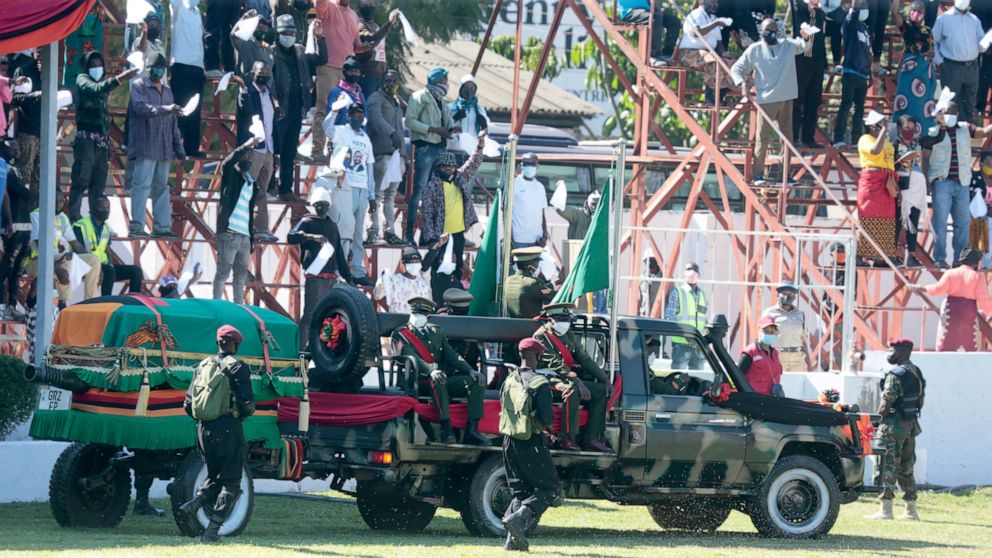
{"points": [[766, 321], [229, 333], [901, 342], [530, 344]]}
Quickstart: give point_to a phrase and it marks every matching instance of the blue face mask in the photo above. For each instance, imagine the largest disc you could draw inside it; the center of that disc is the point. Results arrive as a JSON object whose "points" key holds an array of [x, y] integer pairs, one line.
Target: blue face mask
{"points": [[529, 172], [863, 15], [768, 338]]}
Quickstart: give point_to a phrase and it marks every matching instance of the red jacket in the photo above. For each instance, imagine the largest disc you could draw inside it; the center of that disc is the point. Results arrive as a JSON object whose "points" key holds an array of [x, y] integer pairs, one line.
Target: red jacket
{"points": [[765, 370]]}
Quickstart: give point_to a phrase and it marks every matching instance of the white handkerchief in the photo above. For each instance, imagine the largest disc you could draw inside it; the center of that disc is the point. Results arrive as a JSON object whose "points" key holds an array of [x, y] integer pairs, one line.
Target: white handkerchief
{"points": [[77, 269], [257, 129], [137, 10], [873, 117], [491, 147], [394, 170], [467, 142], [245, 28], [137, 59], [725, 20], [560, 197], [946, 96], [447, 266], [63, 98], [344, 101], [223, 83], [408, 33], [986, 40], [191, 105], [311, 46], [809, 29], [318, 263], [24, 87]]}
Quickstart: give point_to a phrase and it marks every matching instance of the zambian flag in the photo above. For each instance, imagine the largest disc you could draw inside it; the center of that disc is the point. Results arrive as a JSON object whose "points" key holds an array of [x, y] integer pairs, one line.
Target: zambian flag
{"points": [[591, 271], [485, 277]]}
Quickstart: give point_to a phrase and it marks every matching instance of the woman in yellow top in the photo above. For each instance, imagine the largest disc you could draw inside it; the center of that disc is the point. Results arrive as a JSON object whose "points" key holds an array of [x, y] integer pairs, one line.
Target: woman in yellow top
{"points": [[877, 191]]}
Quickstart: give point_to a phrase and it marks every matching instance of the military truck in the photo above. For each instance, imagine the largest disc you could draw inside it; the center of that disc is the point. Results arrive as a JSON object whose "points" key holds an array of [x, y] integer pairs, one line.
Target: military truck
{"points": [[688, 459]]}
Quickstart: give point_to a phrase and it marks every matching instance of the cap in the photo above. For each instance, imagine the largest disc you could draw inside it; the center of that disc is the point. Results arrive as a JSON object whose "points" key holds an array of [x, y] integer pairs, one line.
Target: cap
{"points": [[318, 195], [436, 74], [285, 23], [558, 309], [457, 298], [692, 266], [351, 63], [528, 254], [446, 159], [970, 256], [419, 304], [467, 78], [229, 333], [530, 344], [766, 321], [787, 286], [901, 342], [410, 254], [155, 59], [356, 107], [169, 279]]}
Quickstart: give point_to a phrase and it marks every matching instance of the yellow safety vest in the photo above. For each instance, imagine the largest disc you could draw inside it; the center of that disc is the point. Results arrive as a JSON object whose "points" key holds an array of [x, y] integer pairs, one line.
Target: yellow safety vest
{"points": [[61, 223], [90, 241], [692, 312]]}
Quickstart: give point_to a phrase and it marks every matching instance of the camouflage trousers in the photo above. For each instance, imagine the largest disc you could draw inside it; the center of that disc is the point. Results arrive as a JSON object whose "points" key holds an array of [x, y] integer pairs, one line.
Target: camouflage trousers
{"points": [[896, 466]]}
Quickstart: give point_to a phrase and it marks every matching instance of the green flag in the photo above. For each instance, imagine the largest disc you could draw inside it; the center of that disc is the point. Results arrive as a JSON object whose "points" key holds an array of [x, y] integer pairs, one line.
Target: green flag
{"points": [[591, 271], [485, 277]]}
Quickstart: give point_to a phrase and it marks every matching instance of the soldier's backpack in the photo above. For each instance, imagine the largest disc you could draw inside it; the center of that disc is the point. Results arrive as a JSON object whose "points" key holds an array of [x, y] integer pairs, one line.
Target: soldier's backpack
{"points": [[516, 417], [210, 390]]}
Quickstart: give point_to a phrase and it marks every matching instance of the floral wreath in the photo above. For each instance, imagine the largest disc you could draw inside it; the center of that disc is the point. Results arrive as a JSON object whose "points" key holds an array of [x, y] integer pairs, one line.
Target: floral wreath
{"points": [[332, 332]]}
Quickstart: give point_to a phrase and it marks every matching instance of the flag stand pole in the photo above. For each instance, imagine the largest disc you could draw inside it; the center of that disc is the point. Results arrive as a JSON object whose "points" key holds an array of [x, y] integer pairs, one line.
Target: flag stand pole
{"points": [[511, 176], [616, 226]]}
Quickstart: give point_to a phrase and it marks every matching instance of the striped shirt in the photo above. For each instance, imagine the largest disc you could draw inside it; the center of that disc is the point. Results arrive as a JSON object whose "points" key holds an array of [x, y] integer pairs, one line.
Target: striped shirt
{"points": [[239, 218]]}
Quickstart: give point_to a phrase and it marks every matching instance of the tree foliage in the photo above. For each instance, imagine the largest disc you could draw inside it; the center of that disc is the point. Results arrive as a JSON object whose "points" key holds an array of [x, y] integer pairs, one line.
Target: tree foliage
{"points": [[530, 55], [17, 397], [433, 20]]}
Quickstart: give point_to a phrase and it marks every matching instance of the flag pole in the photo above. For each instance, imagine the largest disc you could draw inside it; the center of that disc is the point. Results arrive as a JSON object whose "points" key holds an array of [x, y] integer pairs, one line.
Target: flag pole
{"points": [[616, 222], [511, 176]]}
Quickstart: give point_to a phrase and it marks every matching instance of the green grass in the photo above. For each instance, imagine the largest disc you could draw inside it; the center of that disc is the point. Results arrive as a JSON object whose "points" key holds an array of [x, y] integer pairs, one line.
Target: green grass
{"points": [[957, 526]]}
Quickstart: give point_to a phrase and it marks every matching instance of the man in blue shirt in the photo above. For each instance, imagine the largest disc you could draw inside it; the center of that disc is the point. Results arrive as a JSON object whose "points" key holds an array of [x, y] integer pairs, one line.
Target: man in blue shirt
{"points": [[957, 36], [856, 72], [666, 23]]}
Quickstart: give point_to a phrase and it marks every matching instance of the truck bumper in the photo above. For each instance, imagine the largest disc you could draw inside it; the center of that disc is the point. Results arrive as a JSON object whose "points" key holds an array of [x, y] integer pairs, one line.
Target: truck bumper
{"points": [[853, 471]]}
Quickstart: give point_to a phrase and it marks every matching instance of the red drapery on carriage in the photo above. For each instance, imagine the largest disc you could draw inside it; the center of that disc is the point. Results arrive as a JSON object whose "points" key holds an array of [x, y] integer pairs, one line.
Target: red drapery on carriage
{"points": [[26, 24]]}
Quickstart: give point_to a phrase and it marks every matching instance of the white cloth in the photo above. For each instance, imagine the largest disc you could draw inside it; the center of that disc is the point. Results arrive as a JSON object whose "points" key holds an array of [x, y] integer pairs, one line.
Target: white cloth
{"points": [[529, 202], [397, 289], [915, 196], [268, 119], [698, 18], [187, 33]]}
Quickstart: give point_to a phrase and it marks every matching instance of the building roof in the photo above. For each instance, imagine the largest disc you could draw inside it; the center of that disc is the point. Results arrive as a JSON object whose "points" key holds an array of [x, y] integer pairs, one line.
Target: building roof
{"points": [[495, 81]]}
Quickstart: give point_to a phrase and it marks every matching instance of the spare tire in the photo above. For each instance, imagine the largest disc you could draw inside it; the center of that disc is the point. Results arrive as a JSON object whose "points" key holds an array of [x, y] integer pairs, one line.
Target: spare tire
{"points": [[340, 358]]}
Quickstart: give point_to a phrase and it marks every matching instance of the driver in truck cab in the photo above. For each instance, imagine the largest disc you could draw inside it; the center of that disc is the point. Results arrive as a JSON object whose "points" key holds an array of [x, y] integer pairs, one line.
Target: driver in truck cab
{"points": [[577, 373], [441, 371]]}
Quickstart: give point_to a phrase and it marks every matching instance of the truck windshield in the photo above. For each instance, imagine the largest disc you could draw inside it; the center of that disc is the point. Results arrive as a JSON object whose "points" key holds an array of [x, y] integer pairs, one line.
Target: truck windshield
{"points": [[667, 355]]}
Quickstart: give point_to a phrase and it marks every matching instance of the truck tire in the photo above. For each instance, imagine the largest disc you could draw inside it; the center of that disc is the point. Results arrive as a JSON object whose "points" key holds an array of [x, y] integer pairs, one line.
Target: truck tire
{"points": [[101, 506], [191, 474], [703, 515], [487, 499], [401, 513], [798, 500], [342, 368]]}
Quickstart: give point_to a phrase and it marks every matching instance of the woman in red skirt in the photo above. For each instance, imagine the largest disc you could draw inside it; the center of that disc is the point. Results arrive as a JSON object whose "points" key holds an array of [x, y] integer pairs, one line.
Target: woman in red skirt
{"points": [[877, 190]]}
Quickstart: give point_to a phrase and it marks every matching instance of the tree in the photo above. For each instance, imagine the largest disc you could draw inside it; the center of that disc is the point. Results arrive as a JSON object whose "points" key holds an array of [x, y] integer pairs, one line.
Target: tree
{"points": [[504, 45], [17, 397], [433, 21]]}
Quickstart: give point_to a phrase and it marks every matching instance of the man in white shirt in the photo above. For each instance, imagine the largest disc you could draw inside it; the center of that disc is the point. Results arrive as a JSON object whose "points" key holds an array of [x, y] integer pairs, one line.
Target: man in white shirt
{"points": [[529, 226], [352, 156], [399, 288], [693, 51], [187, 67]]}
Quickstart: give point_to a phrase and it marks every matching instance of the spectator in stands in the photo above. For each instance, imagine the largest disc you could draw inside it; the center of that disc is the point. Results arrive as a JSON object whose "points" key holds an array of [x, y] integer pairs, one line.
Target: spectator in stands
{"points": [[957, 36], [448, 212], [218, 51], [810, 66], [693, 51], [153, 140], [856, 72], [373, 37], [429, 119], [773, 64], [385, 127], [17, 236], [239, 193], [467, 114], [791, 322], [312, 233], [258, 48], [256, 104], [877, 191], [664, 30], [981, 183], [87, 38], [648, 290], [92, 236], [409, 282], [187, 68], [341, 32], [27, 103], [352, 149], [917, 79], [580, 219], [261, 7], [835, 21], [64, 236], [298, 10], [687, 305], [91, 149], [984, 12], [760, 362], [967, 293], [912, 186], [878, 19], [949, 172], [292, 81], [134, 31], [530, 227], [352, 74]]}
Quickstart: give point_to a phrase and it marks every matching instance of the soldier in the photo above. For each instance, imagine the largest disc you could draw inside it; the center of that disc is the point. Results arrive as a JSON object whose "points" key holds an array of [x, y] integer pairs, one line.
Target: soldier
{"points": [[457, 301], [580, 378], [526, 293], [429, 347], [903, 390], [792, 328], [530, 473], [219, 398]]}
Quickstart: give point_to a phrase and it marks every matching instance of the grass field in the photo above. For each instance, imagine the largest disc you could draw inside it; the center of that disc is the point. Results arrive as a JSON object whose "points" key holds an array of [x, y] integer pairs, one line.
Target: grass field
{"points": [[954, 526]]}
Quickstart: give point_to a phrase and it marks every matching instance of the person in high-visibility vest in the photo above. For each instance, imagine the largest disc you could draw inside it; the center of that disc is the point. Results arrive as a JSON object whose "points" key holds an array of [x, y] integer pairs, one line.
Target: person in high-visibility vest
{"points": [[92, 236], [687, 304], [64, 235]]}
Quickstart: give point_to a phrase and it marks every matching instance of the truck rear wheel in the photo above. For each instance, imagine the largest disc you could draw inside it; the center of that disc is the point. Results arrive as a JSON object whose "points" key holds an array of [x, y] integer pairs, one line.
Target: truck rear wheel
{"points": [[799, 499], [86, 489], [339, 362], [697, 514], [191, 474], [487, 500], [398, 513]]}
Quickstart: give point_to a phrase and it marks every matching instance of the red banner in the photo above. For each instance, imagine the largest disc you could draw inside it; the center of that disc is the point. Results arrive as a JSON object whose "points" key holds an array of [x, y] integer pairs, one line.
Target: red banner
{"points": [[27, 24]]}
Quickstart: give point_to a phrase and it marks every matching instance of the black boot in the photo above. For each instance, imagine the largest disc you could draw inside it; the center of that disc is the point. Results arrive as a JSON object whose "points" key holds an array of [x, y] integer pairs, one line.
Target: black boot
{"points": [[142, 507], [472, 435], [516, 525], [193, 506], [447, 436], [211, 535], [509, 545]]}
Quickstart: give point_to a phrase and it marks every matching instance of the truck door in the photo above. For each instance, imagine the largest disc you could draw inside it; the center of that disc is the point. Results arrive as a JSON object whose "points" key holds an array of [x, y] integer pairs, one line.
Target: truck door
{"points": [[690, 441]]}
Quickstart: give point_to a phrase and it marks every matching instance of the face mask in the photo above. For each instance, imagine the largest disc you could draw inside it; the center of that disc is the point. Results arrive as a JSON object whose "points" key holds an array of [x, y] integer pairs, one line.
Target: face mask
{"points": [[962, 5], [950, 120], [768, 338], [915, 17], [561, 328], [413, 268], [156, 73], [446, 176], [391, 88], [691, 277], [907, 135], [529, 172], [154, 33], [262, 80], [439, 89], [418, 320], [286, 41], [351, 78], [786, 300], [356, 122], [893, 359], [770, 37], [321, 210], [366, 12], [96, 73], [863, 15], [468, 94]]}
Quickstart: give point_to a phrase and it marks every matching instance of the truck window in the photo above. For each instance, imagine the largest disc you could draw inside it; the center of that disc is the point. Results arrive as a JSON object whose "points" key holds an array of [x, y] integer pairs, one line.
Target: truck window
{"points": [[667, 355], [577, 177]]}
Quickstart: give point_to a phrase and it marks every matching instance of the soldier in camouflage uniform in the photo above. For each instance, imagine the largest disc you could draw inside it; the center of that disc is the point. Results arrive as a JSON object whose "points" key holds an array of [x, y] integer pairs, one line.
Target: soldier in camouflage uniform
{"points": [[580, 378], [903, 390], [525, 293], [441, 371]]}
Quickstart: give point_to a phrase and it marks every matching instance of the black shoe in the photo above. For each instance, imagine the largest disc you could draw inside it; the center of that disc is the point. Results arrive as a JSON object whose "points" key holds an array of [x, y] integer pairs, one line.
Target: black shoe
{"points": [[911, 261], [142, 507], [508, 545], [196, 155], [942, 265], [812, 144], [266, 238], [472, 435], [193, 506], [393, 239], [516, 526], [363, 282], [211, 534], [136, 232], [165, 235], [372, 237], [447, 436]]}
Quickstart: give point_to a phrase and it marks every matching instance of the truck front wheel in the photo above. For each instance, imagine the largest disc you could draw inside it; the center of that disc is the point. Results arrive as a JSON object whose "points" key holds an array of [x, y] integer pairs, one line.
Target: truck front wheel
{"points": [[86, 489], [697, 514], [401, 513], [192, 472], [799, 499]]}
